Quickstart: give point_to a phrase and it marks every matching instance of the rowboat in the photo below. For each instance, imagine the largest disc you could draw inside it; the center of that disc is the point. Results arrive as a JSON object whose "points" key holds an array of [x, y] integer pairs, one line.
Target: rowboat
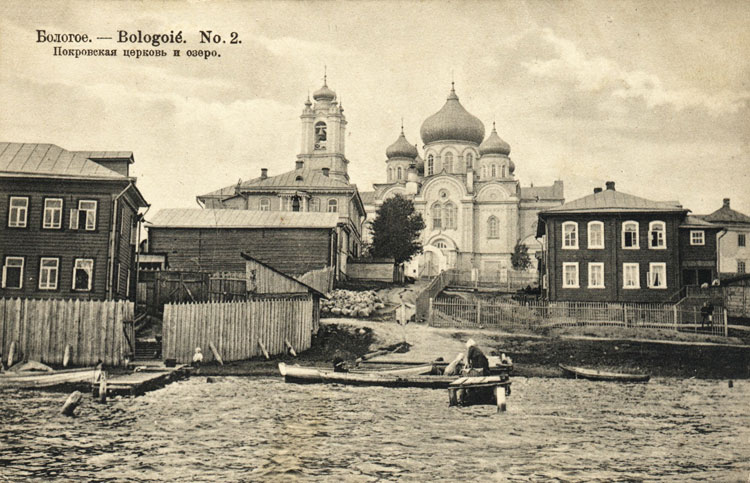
{"points": [[483, 390], [594, 375], [30, 380], [498, 367], [418, 376]]}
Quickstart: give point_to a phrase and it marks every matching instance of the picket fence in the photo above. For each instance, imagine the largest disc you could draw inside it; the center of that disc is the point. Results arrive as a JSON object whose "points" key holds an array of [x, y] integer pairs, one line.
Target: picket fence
{"points": [[236, 328], [448, 312], [42, 328]]}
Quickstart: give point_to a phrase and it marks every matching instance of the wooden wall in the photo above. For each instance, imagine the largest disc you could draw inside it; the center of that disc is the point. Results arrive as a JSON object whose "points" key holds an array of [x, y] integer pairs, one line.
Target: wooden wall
{"points": [[236, 327], [42, 329]]}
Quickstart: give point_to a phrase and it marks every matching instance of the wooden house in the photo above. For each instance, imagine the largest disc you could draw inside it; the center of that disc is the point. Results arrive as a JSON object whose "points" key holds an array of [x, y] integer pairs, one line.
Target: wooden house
{"points": [[70, 222]]}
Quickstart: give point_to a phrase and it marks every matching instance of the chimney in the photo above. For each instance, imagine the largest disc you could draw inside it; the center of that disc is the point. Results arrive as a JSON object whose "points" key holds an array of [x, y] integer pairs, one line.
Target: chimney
{"points": [[325, 171], [300, 165], [263, 173], [726, 202], [610, 185], [597, 190]]}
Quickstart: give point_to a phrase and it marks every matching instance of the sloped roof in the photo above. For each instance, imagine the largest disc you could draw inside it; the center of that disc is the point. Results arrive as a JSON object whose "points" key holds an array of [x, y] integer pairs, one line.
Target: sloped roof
{"points": [[310, 178], [697, 222], [553, 192], [199, 218], [51, 160], [368, 197], [725, 214], [610, 200], [312, 289]]}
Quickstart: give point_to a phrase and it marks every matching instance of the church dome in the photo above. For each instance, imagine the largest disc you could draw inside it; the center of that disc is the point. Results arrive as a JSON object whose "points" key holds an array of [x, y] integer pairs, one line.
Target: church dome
{"points": [[511, 166], [494, 145], [401, 148], [452, 123], [324, 93]]}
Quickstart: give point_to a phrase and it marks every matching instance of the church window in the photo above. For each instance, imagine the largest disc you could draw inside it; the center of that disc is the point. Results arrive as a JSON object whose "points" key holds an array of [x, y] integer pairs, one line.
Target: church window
{"points": [[430, 165], [449, 216], [265, 204], [484, 171], [502, 170], [333, 206], [469, 160], [494, 170], [493, 228], [440, 244], [399, 173], [315, 204], [448, 162], [296, 201], [437, 216], [321, 135]]}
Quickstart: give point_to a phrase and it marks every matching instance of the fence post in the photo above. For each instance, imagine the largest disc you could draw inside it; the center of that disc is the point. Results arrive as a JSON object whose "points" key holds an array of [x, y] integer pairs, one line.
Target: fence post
{"points": [[624, 315], [479, 312], [726, 327], [429, 313]]}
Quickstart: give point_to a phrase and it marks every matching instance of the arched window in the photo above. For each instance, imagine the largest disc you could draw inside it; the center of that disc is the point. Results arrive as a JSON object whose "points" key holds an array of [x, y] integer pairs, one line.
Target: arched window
{"points": [[493, 228], [333, 206], [630, 235], [265, 204], [437, 216], [315, 204], [440, 244], [430, 165], [399, 173], [596, 234], [484, 171], [448, 162], [321, 135], [570, 235], [469, 161], [502, 171], [494, 170], [449, 216], [657, 235]]}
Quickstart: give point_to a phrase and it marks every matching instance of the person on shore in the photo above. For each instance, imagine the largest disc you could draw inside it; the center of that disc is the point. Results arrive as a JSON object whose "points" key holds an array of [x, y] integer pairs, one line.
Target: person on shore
{"points": [[197, 358], [455, 367], [339, 364], [475, 361]]}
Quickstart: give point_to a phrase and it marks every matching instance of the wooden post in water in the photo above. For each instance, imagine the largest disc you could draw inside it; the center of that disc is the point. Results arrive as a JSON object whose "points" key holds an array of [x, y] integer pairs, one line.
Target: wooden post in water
{"points": [[71, 403], [216, 354], [500, 397], [103, 387], [66, 356]]}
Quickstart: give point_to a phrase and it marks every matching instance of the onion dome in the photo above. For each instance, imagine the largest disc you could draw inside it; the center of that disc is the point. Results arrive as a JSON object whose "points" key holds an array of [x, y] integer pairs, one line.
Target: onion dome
{"points": [[494, 145], [324, 93], [401, 148], [511, 166], [452, 123]]}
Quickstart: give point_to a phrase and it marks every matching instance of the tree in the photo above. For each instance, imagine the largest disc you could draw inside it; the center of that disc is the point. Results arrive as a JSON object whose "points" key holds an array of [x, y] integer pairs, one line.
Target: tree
{"points": [[396, 229], [520, 259]]}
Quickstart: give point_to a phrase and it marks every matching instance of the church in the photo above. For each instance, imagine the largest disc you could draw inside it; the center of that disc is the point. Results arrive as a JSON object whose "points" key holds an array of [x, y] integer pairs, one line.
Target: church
{"points": [[463, 184]]}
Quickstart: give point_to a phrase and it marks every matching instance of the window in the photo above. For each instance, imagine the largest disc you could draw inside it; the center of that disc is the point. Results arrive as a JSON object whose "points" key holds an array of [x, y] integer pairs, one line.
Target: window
{"points": [[52, 213], [83, 273], [450, 216], [265, 204], [741, 266], [437, 216], [320, 135], [596, 234], [657, 237], [596, 275], [697, 237], [296, 203], [13, 272], [440, 244], [502, 170], [630, 234], [84, 217], [469, 161], [570, 275], [493, 170], [630, 276], [48, 268], [570, 235], [315, 204], [493, 228], [430, 165], [333, 206], [18, 211], [657, 275], [484, 171], [398, 173], [448, 162], [740, 239]]}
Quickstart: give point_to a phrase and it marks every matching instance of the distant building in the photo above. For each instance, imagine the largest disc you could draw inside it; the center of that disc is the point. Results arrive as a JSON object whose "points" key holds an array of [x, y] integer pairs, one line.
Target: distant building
{"points": [[614, 247], [734, 251], [474, 208], [70, 222]]}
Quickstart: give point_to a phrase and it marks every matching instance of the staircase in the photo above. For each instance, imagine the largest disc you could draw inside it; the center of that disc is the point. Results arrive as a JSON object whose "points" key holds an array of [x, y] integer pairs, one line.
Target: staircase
{"points": [[147, 350]]}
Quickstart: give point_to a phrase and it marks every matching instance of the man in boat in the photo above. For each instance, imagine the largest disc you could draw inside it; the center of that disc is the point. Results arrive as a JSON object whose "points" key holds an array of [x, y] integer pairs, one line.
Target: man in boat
{"points": [[476, 362]]}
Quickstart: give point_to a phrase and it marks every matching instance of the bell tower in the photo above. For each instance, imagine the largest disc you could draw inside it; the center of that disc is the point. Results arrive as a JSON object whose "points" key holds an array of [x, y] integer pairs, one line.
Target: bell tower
{"points": [[323, 134]]}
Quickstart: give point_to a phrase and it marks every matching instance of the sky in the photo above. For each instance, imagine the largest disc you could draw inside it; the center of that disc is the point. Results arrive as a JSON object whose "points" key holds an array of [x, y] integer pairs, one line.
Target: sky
{"points": [[652, 95]]}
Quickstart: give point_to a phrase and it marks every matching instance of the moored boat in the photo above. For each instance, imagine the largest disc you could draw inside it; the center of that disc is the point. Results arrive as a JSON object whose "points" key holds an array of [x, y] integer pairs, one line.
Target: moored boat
{"points": [[596, 375], [27, 380]]}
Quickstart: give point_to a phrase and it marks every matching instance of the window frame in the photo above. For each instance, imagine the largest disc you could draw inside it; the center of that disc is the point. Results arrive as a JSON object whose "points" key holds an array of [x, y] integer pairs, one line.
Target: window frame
{"points": [[17, 223], [741, 267], [637, 267], [45, 209], [469, 159], [565, 245], [493, 228], [314, 205], [95, 216], [592, 265], [637, 245], [651, 267], [6, 259], [589, 231], [493, 170], [264, 204], [437, 216], [450, 214], [565, 266], [430, 164], [332, 203], [696, 243], [741, 240], [399, 173], [651, 230], [48, 286], [448, 162], [91, 275]]}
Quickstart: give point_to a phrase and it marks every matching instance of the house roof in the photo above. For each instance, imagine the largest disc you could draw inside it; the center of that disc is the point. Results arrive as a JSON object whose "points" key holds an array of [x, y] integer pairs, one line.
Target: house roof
{"points": [[610, 200], [199, 218], [554, 192], [312, 289], [696, 222], [725, 214], [368, 197], [309, 178], [51, 160]]}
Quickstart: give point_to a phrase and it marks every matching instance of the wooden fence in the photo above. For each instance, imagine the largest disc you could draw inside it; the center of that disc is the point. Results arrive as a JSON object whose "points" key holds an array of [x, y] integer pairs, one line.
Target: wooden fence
{"points": [[447, 312], [237, 328], [41, 329], [321, 279]]}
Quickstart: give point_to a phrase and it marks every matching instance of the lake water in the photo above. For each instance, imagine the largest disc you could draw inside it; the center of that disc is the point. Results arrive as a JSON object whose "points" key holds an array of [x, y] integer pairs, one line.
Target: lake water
{"points": [[253, 429]]}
